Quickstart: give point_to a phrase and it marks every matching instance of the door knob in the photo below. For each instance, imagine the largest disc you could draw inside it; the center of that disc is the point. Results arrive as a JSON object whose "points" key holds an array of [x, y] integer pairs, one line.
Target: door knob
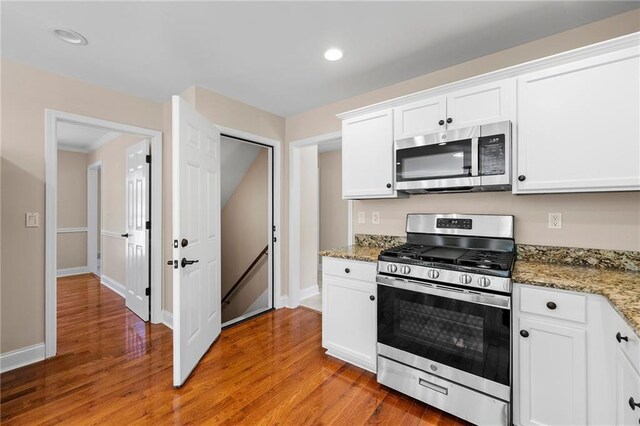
{"points": [[125, 235], [186, 262], [184, 242], [633, 404]]}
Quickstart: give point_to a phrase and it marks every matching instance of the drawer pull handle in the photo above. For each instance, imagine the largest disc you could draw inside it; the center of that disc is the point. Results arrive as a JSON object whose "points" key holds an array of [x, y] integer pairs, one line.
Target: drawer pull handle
{"points": [[551, 305], [433, 386], [620, 337], [372, 298], [347, 270], [633, 404]]}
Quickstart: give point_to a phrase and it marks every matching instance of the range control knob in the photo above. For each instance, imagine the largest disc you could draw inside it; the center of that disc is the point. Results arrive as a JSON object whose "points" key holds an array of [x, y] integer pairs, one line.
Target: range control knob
{"points": [[465, 279], [433, 274], [392, 268], [484, 282], [405, 269]]}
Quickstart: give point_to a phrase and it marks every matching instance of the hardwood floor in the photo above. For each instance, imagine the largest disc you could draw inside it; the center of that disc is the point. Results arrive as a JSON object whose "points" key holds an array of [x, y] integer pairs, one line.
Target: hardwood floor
{"points": [[113, 368]]}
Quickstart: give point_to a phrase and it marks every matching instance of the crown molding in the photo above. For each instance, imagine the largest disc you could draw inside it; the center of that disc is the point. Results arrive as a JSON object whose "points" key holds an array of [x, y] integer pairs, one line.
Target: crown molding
{"points": [[71, 148], [92, 147]]}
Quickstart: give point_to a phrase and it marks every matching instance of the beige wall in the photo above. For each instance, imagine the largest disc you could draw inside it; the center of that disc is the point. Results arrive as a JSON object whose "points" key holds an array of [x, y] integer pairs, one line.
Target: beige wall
{"points": [[309, 210], [333, 209], [113, 204], [72, 209], [589, 220], [245, 233], [26, 93]]}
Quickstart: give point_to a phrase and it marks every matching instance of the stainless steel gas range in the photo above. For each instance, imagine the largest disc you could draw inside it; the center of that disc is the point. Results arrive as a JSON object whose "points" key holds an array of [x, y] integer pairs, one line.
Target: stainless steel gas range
{"points": [[444, 314]]}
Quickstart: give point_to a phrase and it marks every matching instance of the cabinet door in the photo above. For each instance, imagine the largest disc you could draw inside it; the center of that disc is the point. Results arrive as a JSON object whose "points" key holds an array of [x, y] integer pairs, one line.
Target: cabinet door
{"points": [[419, 118], [553, 374], [349, 320], [579, 126], [628, 386], [367, 156], [486, 103]]}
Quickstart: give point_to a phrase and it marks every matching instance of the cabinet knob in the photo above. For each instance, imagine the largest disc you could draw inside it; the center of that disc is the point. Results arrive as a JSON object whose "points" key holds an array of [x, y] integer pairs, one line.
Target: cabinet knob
{"points": [[449, 120], [524, 333], [633, 404], [441, 122], [372, 297], [347, 270], [620, 337], [551, 305], [388, 185], [522, 178]]}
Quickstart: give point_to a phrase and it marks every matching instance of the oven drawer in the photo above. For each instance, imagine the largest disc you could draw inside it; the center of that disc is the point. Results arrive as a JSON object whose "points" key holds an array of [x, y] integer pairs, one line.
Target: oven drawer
{"points": [[460, 401], [350, 269], [553, 304]]}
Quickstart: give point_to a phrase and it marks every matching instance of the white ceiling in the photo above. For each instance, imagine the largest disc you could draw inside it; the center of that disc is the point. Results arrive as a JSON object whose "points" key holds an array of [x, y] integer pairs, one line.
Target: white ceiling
{"points": [[74, 137], [269, 54]]}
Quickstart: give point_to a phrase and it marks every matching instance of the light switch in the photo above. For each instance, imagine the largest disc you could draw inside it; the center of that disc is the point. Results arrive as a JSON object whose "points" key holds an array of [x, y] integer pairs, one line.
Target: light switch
{"points": [[362, 218], [375, 218], [32, 220]]}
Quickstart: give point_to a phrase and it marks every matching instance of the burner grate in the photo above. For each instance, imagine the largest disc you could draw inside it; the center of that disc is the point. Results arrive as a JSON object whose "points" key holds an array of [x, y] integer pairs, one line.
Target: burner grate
{"points": [[487, 259]]}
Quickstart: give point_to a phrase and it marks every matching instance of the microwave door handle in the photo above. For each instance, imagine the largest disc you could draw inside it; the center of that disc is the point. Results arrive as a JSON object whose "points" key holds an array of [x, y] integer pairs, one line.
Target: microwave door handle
{"points": [[475, 155]]}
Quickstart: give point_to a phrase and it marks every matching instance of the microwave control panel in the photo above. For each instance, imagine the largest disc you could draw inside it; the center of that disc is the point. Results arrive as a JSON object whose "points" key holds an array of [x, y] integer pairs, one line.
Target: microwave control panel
{"points": [[491, 153]]}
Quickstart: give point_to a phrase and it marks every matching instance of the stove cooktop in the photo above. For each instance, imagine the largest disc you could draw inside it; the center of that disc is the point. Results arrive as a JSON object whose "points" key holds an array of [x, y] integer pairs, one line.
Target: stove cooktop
{"points": [[432, 256]]}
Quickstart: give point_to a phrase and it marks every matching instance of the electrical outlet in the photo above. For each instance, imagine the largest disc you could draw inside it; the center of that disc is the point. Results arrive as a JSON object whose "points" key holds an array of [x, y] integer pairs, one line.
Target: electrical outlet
{"points": [[555, 220], [375, 218], [362, 217]]}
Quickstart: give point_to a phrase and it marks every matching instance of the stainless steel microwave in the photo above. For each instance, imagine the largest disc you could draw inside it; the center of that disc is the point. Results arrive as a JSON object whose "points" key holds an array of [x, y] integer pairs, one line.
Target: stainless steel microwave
{"points": [[471, 159]]}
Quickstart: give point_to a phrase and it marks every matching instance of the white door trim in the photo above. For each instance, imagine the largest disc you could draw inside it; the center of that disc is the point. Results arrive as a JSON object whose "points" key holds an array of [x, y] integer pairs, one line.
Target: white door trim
{"points": [[293, 299], [52, 118], [274, 247], [92, 216]]}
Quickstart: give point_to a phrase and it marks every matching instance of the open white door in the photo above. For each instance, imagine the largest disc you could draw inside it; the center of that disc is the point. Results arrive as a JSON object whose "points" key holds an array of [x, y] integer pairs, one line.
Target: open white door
{"points": [[196, 237], [137, 266]]}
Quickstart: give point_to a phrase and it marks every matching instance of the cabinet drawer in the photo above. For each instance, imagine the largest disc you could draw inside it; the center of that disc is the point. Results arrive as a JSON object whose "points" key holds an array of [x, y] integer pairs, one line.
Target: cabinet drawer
{"points": [[629, 342], [352, 269], [554, 304]]}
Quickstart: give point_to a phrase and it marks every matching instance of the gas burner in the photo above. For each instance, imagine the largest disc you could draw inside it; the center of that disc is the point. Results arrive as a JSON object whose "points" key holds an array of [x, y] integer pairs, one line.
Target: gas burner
{"points": [[406, 251]]}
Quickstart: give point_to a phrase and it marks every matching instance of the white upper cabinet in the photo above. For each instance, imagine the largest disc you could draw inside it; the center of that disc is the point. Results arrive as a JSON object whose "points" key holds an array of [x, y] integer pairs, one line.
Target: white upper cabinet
{"points": [[578, 126], [485, 103], [367, 156], [420, 117]]}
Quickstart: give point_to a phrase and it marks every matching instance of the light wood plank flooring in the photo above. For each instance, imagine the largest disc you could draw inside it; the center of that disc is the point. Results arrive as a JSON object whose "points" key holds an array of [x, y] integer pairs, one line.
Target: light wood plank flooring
{"points": [[112, 368]]}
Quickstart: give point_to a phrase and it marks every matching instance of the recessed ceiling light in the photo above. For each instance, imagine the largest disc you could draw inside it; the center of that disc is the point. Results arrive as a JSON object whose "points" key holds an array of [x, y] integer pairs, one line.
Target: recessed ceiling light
{"points": [[70, 37], [333, 54]]}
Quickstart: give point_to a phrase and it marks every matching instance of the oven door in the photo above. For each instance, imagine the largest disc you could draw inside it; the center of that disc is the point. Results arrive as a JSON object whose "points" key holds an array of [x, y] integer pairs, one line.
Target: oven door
{"points": [[438, 161], [464, 337]]}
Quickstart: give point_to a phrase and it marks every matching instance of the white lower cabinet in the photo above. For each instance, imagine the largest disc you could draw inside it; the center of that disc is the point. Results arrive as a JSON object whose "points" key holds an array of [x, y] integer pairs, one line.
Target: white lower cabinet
{"points": [[569, 367], [553, 373], [349, 322], [627, 391]]}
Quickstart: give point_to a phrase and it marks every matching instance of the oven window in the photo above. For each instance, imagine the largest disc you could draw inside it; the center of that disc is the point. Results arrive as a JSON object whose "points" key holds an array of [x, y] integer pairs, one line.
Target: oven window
{"points": [[451, 159], [467, 336]]}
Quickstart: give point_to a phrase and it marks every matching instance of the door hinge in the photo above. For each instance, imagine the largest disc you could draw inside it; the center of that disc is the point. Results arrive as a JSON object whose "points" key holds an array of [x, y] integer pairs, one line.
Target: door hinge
{"points": [[275, 240], [148, 225], [274, 228], [148, 158], [147, 291]]}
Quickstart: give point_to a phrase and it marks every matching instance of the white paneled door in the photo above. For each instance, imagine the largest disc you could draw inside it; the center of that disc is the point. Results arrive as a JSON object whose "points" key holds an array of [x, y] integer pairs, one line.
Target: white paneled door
{"points": [[137, 236], [196, 237]]}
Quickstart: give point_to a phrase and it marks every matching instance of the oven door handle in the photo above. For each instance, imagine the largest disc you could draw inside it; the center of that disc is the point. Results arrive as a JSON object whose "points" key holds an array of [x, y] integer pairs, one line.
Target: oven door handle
{"points": [[487, 299]]}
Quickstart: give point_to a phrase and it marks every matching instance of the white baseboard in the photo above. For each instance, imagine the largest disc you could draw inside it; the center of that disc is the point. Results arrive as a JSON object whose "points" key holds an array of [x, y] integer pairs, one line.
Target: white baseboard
{"points": [[21, 357], [284, 302], [309, 291], [167, 319], [113, 285], [72, 271]]}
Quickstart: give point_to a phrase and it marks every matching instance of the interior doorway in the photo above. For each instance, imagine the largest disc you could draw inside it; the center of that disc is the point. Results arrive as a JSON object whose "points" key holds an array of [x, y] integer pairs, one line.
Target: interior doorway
{"points": [[319, 218], [247, 228], [99, 184]]}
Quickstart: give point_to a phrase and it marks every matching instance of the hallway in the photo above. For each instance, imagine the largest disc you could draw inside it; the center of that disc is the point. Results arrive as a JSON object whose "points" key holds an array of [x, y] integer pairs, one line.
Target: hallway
{"points": [[114, 368]]}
